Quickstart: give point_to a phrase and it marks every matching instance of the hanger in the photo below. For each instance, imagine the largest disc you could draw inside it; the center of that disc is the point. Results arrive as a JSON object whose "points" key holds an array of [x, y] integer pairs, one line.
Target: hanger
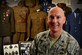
{"points": [[77, 10]]}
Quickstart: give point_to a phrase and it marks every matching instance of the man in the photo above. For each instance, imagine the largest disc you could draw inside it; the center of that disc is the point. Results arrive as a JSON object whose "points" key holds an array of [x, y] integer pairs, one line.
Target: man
{"points": [[55, 41]]}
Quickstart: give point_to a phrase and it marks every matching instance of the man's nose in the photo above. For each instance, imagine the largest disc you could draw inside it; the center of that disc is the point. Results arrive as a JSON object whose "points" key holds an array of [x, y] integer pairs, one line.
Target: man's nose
{"points": [[55, 20]]}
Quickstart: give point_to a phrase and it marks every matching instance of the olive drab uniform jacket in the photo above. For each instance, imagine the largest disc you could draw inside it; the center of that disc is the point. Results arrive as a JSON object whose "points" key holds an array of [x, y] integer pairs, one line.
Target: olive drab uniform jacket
{"points": [[36, 22], [7, 22], [21, 14], [65, 45]]}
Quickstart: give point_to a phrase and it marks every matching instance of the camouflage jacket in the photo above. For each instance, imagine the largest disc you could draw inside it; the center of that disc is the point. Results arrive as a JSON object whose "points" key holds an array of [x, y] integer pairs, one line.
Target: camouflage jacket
{"points": [[66, 45]]}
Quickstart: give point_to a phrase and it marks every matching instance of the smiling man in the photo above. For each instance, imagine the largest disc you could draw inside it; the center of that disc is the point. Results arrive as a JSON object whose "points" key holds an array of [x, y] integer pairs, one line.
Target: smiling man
{"points": [[56, 19], [55, 41]]}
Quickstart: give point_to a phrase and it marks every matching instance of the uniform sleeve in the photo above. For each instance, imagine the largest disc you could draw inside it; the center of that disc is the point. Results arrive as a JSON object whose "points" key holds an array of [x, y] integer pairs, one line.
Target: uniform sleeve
{"points": [[28, 27], [34, 45], [73, 48], [33, 48], [12, 20], [76, 49]]}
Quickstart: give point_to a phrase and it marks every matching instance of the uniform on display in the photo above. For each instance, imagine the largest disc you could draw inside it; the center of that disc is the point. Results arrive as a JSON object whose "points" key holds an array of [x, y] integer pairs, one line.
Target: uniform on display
{"points": [[74, 25], [21, 13], [36, 21], [7, 24], [46, 5]]}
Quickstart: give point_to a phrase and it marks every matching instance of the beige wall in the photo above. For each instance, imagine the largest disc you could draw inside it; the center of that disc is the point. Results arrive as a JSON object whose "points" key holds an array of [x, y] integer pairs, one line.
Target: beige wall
{"points": [[12, 3], [68, 2], [71, 3]]}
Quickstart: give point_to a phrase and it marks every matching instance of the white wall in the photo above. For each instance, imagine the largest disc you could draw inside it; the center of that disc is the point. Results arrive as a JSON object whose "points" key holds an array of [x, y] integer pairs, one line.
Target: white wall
{"points": [[75, 4]]}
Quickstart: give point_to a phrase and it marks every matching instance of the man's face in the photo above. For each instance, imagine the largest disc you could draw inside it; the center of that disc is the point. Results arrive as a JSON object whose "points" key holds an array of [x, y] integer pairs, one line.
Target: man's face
{"points": [[56, 19]]}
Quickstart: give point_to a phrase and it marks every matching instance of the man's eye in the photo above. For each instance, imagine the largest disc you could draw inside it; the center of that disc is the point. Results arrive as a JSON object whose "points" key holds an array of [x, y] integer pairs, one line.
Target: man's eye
{"points": [[58, 17], [52, 17]]}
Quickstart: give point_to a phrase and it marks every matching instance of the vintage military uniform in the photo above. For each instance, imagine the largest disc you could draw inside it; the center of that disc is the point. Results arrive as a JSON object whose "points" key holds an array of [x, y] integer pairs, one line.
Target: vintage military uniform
{"points": [[65, 45], [36, 22], [6, 21], [46, 5], [30, 4], [7, 26], [74, 26], [21, 13]]}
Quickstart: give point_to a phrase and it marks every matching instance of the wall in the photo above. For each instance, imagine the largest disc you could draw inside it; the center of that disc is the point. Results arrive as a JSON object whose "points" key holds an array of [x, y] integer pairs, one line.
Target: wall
{"points": [[71, 3], [12, 3], [74, 4]]}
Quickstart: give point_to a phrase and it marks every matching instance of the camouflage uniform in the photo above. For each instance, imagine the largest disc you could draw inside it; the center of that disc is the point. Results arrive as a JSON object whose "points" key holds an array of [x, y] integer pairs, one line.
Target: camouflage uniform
{"points": [[65, 45]]}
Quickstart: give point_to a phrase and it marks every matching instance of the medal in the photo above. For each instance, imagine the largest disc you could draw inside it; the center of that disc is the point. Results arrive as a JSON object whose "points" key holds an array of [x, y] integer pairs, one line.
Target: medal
{"points": [[4, 19], [7, 13]]}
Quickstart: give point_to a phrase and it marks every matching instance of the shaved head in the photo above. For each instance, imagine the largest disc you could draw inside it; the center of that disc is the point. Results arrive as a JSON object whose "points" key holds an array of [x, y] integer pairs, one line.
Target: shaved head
{"points": [[56, 9], [56, 19]]}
